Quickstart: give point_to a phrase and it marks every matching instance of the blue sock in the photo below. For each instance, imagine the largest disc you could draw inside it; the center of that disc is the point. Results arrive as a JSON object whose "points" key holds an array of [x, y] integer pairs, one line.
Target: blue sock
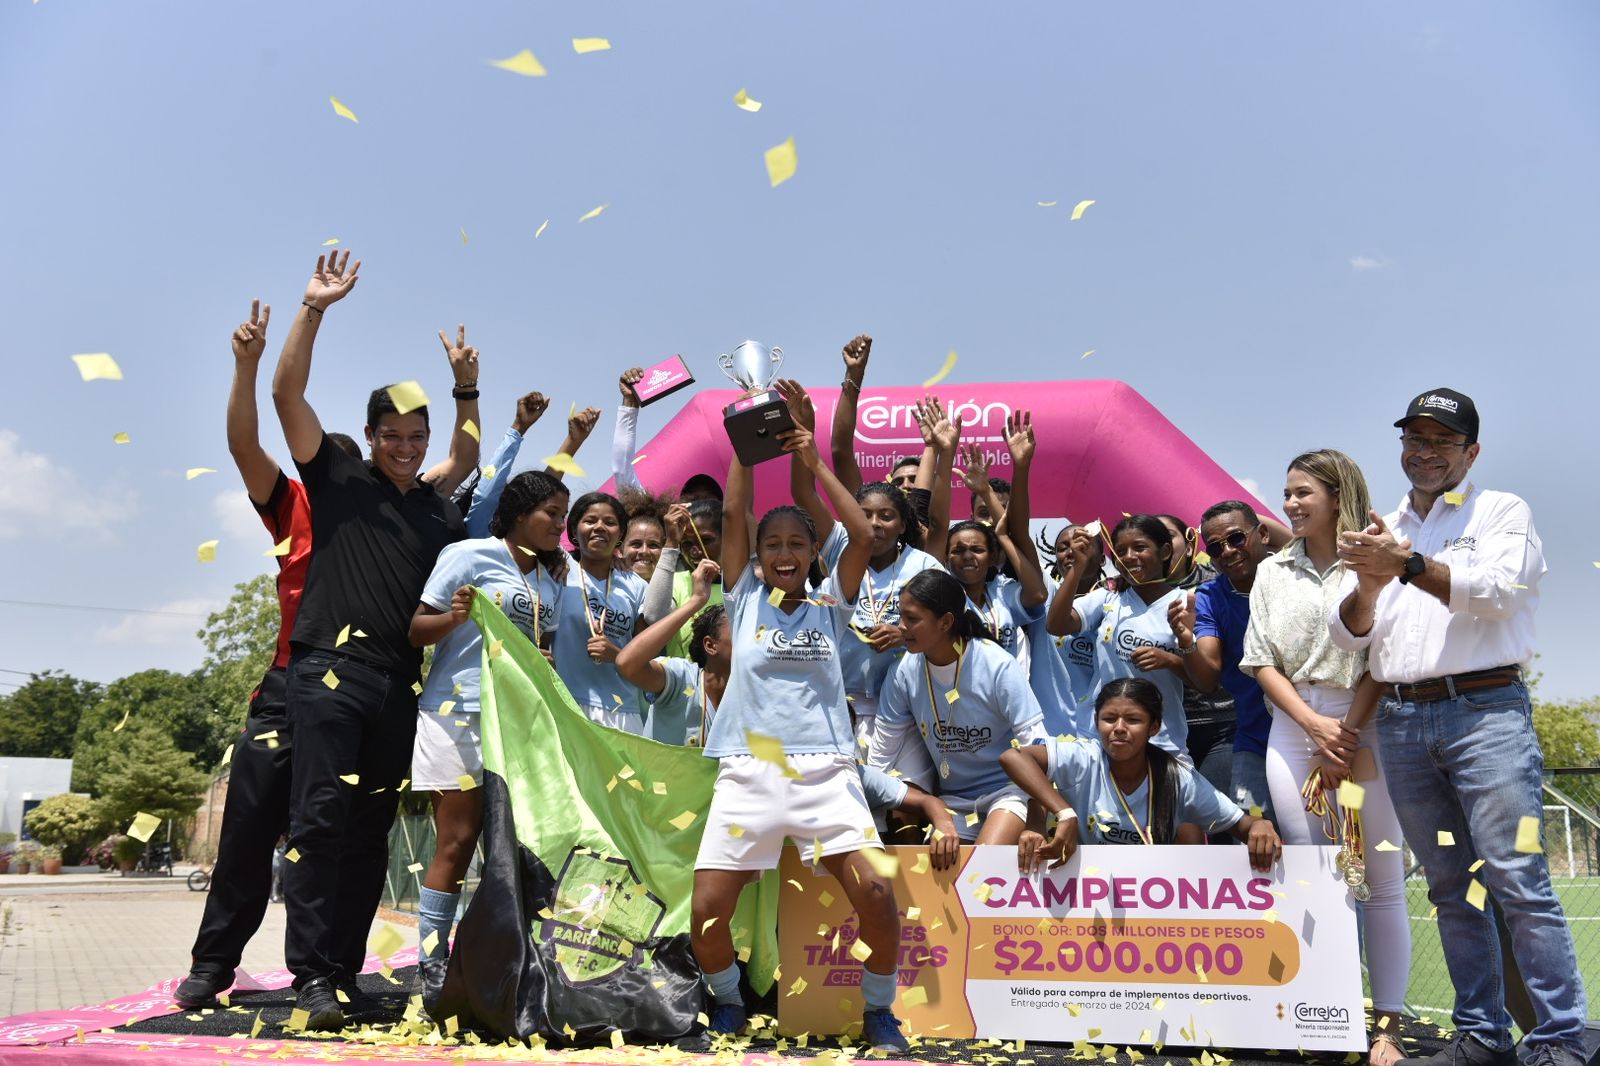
{"points": [[878, 989], [436, 913], [724, 985]]}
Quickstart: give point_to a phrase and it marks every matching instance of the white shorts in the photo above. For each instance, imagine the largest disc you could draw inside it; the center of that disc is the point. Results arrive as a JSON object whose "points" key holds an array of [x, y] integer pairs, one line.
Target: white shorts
{"points": [[754, 808], [448, 746], [629, 720], [1007, 798]]}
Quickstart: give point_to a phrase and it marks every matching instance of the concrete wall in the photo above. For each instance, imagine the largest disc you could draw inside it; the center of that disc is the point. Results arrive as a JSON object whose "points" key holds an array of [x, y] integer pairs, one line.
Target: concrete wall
{"points": [[23, 780]]}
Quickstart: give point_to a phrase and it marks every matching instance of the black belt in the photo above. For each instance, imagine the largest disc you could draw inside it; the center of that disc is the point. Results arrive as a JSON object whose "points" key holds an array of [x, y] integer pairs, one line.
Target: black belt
{"points": [[1444, 688]]}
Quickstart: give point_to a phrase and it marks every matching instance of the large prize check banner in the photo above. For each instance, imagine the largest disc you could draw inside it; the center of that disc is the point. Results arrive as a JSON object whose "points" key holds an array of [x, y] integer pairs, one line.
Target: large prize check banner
{"points": [[1129, 945]]}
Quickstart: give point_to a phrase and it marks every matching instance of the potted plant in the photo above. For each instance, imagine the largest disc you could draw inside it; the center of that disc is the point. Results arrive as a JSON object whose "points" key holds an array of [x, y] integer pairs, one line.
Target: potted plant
{"points": [[26, 854], [126, 851], [8, 844], [50, 859]]}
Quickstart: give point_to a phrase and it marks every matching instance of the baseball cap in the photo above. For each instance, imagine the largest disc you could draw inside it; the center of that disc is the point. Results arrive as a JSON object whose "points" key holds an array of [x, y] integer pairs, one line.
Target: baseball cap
{"points": [[1451, 409]]}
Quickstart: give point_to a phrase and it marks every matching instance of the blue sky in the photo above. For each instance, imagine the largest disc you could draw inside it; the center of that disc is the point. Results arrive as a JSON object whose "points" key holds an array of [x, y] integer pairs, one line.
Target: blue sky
{"points": [[1304, 214]]}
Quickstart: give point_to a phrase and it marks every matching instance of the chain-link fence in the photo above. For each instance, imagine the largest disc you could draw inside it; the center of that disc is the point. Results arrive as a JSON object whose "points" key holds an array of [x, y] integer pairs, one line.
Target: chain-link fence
{"points": [[1572, 848]]}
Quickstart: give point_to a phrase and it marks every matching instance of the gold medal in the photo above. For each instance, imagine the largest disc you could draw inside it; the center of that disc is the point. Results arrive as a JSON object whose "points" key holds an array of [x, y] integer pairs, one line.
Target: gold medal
{"points": [[1362, 892], [1342, 861], [1355, 875]]}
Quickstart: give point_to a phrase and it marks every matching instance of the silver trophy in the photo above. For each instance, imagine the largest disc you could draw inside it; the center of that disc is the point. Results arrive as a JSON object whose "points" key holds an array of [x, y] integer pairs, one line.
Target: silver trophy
{"points": [[755, 420]]}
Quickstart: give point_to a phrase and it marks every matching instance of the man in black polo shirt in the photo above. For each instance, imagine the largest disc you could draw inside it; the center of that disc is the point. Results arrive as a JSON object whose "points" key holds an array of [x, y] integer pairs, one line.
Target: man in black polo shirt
{"points": [[377, 529]]}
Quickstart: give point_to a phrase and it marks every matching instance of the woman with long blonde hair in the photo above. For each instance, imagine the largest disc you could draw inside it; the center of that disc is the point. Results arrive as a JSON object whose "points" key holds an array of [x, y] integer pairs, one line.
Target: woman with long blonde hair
{"points": [[1323, 733]]}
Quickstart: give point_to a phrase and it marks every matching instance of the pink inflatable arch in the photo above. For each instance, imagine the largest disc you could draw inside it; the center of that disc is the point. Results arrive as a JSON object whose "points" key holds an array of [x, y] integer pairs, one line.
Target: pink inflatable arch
{"points": [[1102, 448]]}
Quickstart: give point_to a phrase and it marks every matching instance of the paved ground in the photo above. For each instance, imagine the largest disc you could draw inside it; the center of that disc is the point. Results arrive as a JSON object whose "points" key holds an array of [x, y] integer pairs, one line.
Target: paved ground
{"points": [[77, 939]]}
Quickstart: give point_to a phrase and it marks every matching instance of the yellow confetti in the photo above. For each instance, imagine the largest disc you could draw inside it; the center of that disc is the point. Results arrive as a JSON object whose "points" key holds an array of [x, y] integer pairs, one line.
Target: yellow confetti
{"points": [[414, 868], [407, 396], [1047, 203], [1351, 795], [524, 63], [684, 820], [330, 240], [227, 756], [585, 45], [331, 680], [983, 892], [1455, 499], [952, 696], [616, 1038], [350, 779], [98, 366], [268, 735], [344, 635], [255, 1026], [859, 951], [280, 549], [781, 162], [143, 825], [488, 472], [1086, 355], [430, 942], [1074, 1010], [416, 686], [465, 783], [342, 111], [565, 463], [944, 371], [1077, 212], [470, 428], [129, 710], [736, 831], [197, 471], [797, 988], [293, 855], [742, 101], [972, 820], [1094, 1032], [447, 706], [586, 217], [386, 941], [1475, 867], [775, 597], [913, 914], [1476, 893], [1384, 845], [914, 997], [1447, 839], [884, 864], [297, 1020], [921, 866], [121, 438], [707, 924], [1528, 836], [463, 234], [207, 552]]}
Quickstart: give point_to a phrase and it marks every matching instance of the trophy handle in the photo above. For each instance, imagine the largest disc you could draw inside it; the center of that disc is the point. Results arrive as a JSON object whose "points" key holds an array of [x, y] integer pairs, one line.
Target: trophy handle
{"points": [[725, 362], [777, 358]]}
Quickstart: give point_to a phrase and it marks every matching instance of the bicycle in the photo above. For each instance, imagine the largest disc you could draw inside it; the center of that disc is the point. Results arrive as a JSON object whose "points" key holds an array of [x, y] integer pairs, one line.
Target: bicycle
{"points": [[200, 880]]}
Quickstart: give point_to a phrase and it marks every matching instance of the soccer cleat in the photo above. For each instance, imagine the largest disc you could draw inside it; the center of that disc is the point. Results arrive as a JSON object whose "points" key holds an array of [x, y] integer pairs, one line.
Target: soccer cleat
{"points": [[880, 1030]]}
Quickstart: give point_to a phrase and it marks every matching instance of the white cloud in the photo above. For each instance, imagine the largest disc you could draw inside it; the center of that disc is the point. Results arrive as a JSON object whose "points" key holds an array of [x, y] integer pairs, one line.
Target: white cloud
{"points": [[177, 624], [1250, 485], [238, 517], [1360, 263], [37, 495]]}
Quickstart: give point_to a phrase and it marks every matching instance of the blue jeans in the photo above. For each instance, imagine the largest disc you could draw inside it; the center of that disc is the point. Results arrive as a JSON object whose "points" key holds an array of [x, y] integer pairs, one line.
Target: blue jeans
{"points": [[1250, 784], [1471, 766]]}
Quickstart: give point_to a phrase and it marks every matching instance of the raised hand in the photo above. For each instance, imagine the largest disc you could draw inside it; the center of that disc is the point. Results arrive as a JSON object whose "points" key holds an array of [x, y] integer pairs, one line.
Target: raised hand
{"points": [[331, 280], [1180, 619], [800, 441], [1374, 555], [704, 575], [1019, 437], [529, 410], [250, 339], [677, 526], [1081, 543], [975, 468], [463, 358], [581, 424], [625, 384], [856, 354], [801, 409]]}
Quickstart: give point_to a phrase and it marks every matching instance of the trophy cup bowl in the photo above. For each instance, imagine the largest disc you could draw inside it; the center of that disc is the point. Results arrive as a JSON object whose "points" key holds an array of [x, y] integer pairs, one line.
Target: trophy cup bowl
{"points": [[755, 420]]}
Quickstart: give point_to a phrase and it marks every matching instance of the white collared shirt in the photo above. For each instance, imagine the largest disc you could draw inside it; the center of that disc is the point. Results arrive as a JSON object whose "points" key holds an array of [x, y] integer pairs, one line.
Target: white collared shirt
{"points": [[1488, 541]]}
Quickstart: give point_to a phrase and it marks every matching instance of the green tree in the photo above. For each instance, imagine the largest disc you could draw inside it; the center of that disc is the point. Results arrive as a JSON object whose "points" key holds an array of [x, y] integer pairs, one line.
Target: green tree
{"points": [[68, 821], [1568, 732], [175, 705], [240, 640], [148, 773], [40, 719]]}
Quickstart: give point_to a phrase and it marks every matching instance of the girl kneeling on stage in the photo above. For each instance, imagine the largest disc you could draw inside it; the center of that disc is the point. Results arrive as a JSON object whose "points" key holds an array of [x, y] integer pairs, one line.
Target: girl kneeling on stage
{"points": [[1131, 791], [785, 687]]}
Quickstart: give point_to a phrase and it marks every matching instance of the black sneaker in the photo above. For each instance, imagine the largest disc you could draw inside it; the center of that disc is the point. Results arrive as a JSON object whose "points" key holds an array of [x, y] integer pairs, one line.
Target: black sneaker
{"points": [[356, 999], [1465, 1050], [430, 976], [200, 989], [316, 997]]}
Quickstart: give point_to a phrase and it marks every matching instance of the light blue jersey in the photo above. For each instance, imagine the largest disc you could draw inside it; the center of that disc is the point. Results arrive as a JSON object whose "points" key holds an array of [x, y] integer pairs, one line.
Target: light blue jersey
{"points": [[1021, 632], [613, 606], [785, 680], [865, 670], [1120, 623], [883, 791], [486, 494], [965, 737], [487, 565], [1082, 774], [681, 714]]}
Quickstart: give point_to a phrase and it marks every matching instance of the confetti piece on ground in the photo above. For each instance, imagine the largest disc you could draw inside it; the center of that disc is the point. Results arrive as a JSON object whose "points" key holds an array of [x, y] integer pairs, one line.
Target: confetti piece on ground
{"points": [[1476, 893], [742, 101], [465, 783], [350, 779], [331, 679], [586, 217], [585, 45], [470, 428], [524, 63], [121, 438], [1447, 839], [207, 552], [280, 549], [342, 111], [99, 366], [781, 162], [1077, 212], [197, 471], [407, 396], [944, 371], [684, 820], [1528, 836], [142, 826]]}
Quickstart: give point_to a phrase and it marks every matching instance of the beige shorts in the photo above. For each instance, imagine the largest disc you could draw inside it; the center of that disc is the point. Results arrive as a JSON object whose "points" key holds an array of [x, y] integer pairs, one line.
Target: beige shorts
{"points": [[448, 747], [755, 808]]}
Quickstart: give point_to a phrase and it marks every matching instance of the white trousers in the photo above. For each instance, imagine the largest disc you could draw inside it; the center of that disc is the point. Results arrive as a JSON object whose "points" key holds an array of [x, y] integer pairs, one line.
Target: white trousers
{"points": [[1290, 756]]}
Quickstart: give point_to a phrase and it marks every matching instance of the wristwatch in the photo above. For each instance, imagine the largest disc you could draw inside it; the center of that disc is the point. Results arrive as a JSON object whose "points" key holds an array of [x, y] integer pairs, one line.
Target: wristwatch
{"points": [[1414, 568]]}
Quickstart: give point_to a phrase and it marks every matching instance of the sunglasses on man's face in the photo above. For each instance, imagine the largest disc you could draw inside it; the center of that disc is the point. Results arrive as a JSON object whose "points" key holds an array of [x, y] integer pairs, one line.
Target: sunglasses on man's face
{"points": [[1234, 540]]}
